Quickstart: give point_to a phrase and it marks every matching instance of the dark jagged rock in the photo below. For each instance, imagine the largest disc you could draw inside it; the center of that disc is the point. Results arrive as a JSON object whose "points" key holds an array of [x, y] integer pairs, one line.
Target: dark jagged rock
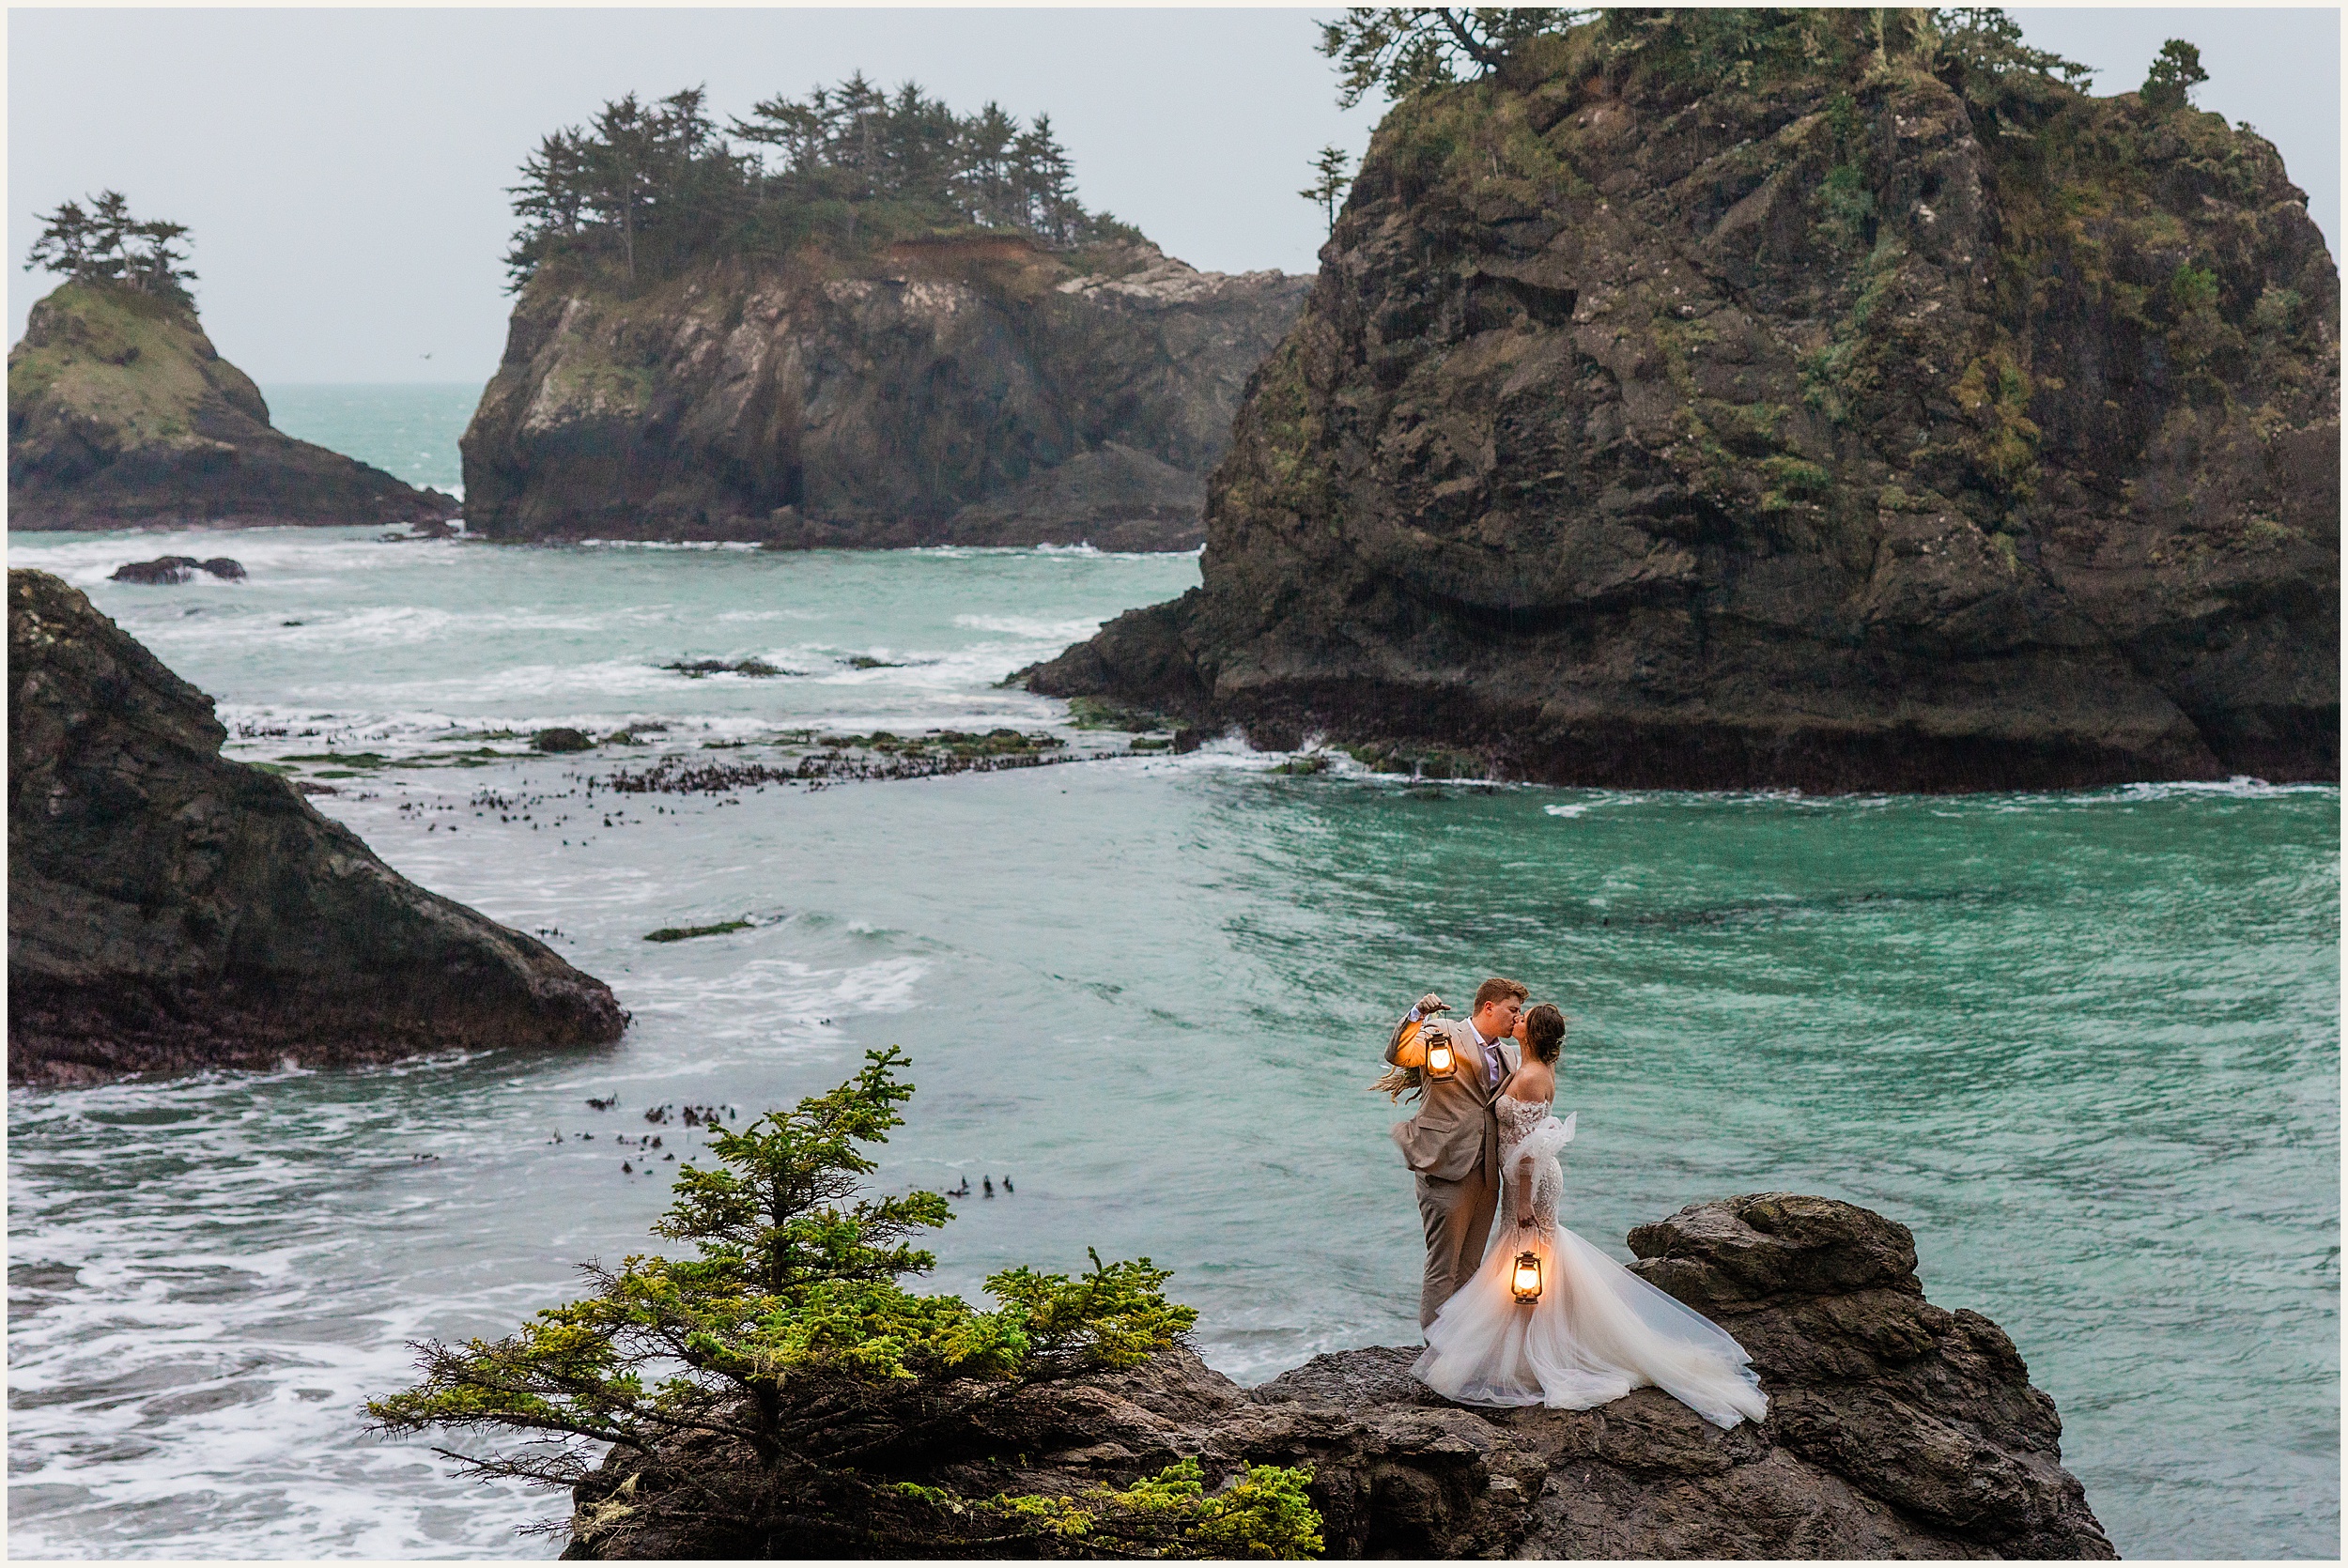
{"points": [[968, 391], [1839, 430], [177, 568], [1896, 1429], [122, 415], [170, 909], [562, 738], [163, 570]]}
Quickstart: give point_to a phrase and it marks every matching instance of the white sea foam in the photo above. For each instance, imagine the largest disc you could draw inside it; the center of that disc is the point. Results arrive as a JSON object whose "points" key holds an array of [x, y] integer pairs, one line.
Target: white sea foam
{"points": [[1033, 628]]}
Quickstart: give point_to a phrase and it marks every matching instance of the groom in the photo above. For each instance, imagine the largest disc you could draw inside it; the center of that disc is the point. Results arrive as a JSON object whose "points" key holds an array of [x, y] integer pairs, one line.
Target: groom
{"points": [[1453, 1142]]}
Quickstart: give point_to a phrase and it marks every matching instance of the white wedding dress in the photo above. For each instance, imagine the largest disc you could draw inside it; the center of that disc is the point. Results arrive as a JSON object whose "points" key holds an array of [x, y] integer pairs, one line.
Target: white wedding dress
{"points": [[1598, 1330]]}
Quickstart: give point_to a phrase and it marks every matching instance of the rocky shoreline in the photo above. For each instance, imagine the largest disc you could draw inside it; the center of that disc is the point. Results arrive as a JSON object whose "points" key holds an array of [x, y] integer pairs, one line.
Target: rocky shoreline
{"points": [[1896, 1429], [1867, 422], [979, 391], [170, 909], [121, 414]]}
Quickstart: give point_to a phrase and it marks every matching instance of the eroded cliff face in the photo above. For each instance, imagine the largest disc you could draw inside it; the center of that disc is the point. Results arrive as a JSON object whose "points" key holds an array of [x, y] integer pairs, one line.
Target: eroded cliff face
{"points": [[169, 910], [1830, 431], [976, 392], [121, 414], [1896, 1429]]}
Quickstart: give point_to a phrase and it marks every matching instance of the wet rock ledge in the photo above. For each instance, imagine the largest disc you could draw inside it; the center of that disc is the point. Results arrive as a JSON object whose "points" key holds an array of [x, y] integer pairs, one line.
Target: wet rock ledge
{"points": [[1896, 1429], [171, 909]]}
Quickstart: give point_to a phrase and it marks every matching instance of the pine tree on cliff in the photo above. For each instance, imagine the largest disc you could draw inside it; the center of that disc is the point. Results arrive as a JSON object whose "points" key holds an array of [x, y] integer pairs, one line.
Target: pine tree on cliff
{"points": [[785, 1363], [647, 189], [1046, 182], [103, 243], [919, 150], [1404, 50], [1328, 190], [986, 183], [2176, 72], [551, 201]]}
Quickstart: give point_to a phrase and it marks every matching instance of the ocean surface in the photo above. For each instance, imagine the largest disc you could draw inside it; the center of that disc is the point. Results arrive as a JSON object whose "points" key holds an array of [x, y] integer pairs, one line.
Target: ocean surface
{"points": [[408, 430], [2087, 1046]]}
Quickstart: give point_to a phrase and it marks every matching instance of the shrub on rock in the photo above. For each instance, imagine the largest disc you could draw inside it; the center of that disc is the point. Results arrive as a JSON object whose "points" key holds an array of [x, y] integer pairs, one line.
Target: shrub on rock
{"points": [[756, 1394]]}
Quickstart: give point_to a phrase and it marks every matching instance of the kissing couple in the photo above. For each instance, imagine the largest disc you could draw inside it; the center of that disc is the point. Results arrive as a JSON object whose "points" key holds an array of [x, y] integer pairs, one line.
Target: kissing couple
{"points": [[1539, 1316]]}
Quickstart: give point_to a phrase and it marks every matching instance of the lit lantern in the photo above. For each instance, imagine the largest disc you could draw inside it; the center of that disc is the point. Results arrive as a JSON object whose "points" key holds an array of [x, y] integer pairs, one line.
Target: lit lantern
{"points": [[1441, 1061], [1526, 1278]]}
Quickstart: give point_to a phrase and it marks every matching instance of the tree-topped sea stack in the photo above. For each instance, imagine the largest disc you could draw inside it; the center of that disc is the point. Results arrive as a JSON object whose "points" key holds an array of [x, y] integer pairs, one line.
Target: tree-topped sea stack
{"points": [[170, 909], [122, 415], [863, 321], [1832, 399]]}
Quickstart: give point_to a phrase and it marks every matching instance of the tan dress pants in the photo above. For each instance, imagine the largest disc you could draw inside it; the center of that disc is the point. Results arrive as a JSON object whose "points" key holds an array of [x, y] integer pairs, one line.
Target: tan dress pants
{"points": [[1458, 1218]]}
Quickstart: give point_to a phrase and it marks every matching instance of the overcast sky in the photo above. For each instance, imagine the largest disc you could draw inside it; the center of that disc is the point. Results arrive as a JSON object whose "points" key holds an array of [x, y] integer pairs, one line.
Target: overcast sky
{"points": [[343, 170]]}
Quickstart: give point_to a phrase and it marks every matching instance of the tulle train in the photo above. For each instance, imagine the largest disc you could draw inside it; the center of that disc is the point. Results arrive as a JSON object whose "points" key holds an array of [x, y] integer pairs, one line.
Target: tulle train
{"points": [[1597, 1332]]}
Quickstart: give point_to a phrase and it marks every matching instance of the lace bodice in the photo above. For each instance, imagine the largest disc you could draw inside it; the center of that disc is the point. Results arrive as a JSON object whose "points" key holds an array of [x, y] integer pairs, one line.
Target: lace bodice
{"points": [[1518, 1117], [1529, 1133]]}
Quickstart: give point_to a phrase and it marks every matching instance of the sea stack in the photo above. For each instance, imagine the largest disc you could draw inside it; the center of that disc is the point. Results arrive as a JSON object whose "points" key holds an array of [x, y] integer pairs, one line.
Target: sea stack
{"points": [[170, 909], [121, 414], [1721, 399], [975, 389]]}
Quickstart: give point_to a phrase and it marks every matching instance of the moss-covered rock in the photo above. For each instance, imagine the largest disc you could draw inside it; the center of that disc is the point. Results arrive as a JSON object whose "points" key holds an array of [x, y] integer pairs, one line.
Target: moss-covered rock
{"points": [[122, 414], [1719, 399]]}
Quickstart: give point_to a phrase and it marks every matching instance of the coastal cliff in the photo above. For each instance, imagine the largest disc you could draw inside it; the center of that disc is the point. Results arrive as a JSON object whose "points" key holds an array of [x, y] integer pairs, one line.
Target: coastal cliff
{"points": [[973, 391], [121, 414], [169, 910], [1723, 400], [1896, 1429]]}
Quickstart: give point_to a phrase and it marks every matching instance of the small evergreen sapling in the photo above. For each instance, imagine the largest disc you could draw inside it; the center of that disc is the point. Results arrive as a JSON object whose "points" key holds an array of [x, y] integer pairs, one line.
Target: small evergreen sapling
{"points": [[1328, 189]]}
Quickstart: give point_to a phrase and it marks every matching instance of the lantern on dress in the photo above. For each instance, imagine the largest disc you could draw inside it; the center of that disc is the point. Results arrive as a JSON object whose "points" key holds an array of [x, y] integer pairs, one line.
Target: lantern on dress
{"points": [[1526, 1279]]}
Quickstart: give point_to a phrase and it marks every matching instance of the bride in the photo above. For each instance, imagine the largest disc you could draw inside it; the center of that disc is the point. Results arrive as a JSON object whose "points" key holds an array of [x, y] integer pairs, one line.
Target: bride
{"points": [[1597, 1330]]}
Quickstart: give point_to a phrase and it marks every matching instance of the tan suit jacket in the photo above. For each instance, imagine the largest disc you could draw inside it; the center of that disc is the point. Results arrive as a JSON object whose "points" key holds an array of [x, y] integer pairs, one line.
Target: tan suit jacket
{"points": [[1454, 1127]]}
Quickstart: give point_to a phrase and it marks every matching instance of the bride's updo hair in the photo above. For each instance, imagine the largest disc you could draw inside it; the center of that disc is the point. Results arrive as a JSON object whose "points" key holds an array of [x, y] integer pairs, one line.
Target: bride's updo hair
{"points": [[1545, 1031]]}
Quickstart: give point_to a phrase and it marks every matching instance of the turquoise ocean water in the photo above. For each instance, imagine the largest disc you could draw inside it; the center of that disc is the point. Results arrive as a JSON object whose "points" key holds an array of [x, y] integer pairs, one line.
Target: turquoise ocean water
{"points": [[408, 431], [2085, 1045]]}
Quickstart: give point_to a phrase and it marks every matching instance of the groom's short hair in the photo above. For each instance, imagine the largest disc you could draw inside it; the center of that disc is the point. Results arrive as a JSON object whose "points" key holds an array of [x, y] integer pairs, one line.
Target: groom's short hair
{"points": [[1498, 989]]}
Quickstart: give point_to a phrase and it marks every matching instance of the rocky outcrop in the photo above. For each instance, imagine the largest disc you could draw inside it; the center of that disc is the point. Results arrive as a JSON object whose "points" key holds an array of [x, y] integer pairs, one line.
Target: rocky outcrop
{"points": [[1830, 423], [1896, 1429], [122, 415], [970, 391], [168, 569], [171, 909]]}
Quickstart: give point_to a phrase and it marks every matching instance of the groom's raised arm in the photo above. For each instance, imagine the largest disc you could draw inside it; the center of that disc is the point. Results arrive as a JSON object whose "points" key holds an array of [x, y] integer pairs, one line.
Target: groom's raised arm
{"points": [[1407, 1048]]}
